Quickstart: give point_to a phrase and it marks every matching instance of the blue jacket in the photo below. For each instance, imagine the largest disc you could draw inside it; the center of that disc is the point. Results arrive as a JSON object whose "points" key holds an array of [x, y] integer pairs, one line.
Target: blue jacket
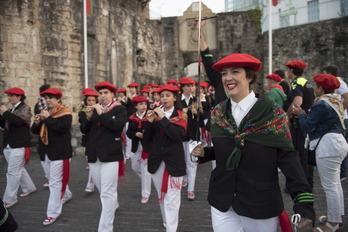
{"points": [[319, 119]]}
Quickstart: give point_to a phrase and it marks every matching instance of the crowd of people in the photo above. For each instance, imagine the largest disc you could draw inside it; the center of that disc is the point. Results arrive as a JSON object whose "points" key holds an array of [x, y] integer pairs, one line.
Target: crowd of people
{"points": [[250, 134]]}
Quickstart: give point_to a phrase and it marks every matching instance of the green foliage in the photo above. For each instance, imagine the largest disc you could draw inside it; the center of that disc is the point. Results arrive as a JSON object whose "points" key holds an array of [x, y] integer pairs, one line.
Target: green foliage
{"points": [[255, 17]]}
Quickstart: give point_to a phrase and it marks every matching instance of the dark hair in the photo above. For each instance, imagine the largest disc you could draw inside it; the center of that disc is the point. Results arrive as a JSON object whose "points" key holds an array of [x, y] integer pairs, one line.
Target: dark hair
{"points": [[23, 97], [297, 72], [85, 99], [280, 73], [44, 87], [326, 91], [177, 103], [332, 69], [250, 74]]}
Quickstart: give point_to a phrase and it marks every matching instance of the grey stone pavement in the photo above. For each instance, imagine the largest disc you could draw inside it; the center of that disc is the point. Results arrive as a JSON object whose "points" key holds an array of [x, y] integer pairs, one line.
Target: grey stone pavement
{"points": [[83, 211]]}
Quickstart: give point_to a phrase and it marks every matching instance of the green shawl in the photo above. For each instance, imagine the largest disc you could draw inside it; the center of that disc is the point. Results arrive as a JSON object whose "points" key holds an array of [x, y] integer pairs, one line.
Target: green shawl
{"points": [[265, 124]]}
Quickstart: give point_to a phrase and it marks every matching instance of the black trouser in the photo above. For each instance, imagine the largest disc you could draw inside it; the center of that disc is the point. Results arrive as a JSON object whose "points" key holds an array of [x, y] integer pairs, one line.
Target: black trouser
{"points": [[9, 224]]}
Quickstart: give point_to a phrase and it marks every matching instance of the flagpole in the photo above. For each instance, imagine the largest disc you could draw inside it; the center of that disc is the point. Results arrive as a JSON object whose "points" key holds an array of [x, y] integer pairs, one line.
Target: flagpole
{"points": [[85, 41], [269, 36]]}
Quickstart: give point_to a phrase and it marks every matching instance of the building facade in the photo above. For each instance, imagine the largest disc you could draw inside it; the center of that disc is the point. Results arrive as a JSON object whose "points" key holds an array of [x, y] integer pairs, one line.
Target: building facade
{"points": [[292, 12]]}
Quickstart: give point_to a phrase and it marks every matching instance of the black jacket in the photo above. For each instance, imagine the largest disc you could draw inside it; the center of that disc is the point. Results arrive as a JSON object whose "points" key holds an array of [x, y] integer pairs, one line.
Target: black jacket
{"points": [[85, 136], [166, 145], [105, 131], [131, 131], [18, 133], [192, 120], [213, 76], [59, 138]]}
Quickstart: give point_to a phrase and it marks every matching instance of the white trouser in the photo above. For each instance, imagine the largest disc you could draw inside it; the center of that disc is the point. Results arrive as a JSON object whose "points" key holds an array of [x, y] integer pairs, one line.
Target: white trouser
{"points": [[16, 174], [139, 166], [231, 222], [55, 177], [128, 151], [105, 177], [90, 183], [45, 168], [170, 205], [329, 173], [191, 168]]}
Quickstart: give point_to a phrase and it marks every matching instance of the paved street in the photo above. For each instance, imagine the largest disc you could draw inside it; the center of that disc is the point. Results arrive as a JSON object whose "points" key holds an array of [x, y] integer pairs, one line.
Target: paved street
{"points": [[83, 211]]}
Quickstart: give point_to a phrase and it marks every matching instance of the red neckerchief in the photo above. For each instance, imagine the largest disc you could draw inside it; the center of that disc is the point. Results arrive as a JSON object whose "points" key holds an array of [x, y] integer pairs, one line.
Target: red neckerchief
{"points": [[278, 87], [180, 120], [138, 120], [111, 105]]}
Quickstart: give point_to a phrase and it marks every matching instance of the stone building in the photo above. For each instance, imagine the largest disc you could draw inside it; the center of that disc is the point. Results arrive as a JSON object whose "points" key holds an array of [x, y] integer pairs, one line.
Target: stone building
{"points": [[41, 41]]}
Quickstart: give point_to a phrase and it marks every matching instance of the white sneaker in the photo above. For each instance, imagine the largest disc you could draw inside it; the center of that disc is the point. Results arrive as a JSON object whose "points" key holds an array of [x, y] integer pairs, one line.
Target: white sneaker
{"points": [[67, 200], [144, 200], [49, 220], [47, 184], [89, 190], [24, 194]]}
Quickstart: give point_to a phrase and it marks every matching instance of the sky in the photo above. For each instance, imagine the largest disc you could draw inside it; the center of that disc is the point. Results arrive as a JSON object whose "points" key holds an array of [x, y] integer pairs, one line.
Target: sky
{"points": [[168, 8]]}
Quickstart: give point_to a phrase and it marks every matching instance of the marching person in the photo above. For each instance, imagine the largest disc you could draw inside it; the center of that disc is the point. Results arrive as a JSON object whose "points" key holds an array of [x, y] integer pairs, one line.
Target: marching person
{"points": [[140, 148], [53, 125], [91, 98], [164, 130], [302, 94], [189, 104], [276, 92], [251, 138], [104, 122], [325, 126], [17, 145]]}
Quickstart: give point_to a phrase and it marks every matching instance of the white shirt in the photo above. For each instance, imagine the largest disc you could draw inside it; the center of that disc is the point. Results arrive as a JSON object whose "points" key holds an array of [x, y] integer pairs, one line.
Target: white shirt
{"points": [[168, 113], [141, 116], [187, 100], [14, 107], [240, 109]]}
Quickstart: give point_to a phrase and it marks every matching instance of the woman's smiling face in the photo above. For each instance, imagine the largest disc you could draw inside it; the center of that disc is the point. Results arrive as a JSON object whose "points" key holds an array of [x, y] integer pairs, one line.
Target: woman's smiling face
{"points": [[235, 83]]}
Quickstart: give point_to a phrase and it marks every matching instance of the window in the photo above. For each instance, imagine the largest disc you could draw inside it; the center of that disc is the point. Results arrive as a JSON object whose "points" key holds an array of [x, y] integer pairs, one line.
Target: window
{"points": [[284, 21], [313, 11]]}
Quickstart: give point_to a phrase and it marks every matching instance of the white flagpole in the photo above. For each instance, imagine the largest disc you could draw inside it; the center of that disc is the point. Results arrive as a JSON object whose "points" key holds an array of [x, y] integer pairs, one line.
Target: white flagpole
{"points": [[269, 36], [85, 41]]}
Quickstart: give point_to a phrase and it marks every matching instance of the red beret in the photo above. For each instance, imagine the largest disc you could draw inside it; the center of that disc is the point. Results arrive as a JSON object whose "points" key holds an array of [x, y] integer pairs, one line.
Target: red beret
{"points": [[186, 81], [171, 81], [145, 91], [204, 84], [105, 85], [238, 60], [87, 90], [52, 91], [92, 93], [327, 81], [121, 90], [133, 85], [146, 87], [274, 77], [139, 99], [16, 91], [170, 88], [155, 90], [154, 86], [299, 64]]}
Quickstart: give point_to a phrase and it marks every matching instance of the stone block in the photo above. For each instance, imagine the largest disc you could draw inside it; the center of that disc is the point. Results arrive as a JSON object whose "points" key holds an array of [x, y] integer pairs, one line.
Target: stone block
{"points": [[79, 151]]}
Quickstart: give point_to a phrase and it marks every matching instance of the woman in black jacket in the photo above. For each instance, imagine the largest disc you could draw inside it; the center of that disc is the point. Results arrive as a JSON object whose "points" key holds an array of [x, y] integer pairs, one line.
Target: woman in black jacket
{"points": [[91, 98], [104, 122], [17, 145], [251, 139], [53, 125], [164, 129]]}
